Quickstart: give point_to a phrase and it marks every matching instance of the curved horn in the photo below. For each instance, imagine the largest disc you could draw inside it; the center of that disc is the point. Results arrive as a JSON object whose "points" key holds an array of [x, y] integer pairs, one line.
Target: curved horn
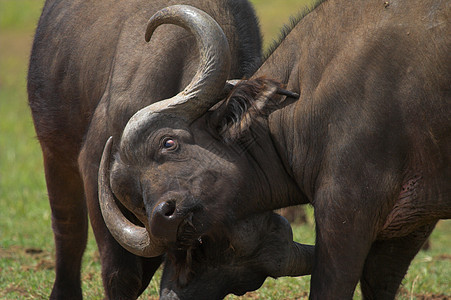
{"points": [[134, 238], [208, 82], [214, 53]]}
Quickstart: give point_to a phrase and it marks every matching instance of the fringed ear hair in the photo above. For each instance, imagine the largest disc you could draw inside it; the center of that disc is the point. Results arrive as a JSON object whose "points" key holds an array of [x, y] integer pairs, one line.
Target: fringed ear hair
{"points": [[248, 101]]}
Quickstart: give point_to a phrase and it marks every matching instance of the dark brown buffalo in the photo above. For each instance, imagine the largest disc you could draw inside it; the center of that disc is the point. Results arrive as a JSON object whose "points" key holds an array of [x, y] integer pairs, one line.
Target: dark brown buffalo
{"points": [[90, 71], [368, 144]]}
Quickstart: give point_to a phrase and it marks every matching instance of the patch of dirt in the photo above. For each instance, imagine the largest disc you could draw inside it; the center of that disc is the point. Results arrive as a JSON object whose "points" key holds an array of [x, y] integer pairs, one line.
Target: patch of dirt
{"points": [[431, 297], [10, 252], [427, 296], [33, 251], [257, 296], [42, 264], [42, 259], [443, 257], [13, 288], [251, 295], [149, 298]]}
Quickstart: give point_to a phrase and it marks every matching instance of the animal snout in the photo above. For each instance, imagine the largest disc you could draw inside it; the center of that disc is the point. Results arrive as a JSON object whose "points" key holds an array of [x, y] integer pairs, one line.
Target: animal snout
{"points": [[165, 221]]}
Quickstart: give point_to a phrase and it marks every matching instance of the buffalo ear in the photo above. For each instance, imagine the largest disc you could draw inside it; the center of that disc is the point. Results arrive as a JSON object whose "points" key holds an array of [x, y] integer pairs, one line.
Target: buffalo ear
{"points": [[249, 102]]}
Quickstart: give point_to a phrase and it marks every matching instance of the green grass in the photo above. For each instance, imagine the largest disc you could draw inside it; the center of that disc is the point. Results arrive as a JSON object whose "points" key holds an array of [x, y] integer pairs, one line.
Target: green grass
{"points": [[19, 14], [26, 239], [274, 14]]}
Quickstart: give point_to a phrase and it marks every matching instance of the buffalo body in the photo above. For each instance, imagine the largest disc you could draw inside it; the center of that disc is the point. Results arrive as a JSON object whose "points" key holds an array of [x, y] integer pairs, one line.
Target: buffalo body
{"points": [[367, 144], [90, 71]]}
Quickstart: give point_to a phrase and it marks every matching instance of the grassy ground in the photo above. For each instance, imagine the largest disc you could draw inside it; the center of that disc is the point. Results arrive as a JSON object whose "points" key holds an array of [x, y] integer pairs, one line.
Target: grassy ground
{"points": [[26, 240]]}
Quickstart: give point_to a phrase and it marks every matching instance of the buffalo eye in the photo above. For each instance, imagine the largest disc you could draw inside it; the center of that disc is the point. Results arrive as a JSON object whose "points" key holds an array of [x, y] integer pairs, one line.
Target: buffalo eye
{"points": [[169, 144]]}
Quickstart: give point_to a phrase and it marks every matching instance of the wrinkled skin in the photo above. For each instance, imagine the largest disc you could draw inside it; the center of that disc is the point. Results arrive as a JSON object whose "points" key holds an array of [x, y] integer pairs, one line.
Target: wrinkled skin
{"points": [[90, 71], [367, 144]]}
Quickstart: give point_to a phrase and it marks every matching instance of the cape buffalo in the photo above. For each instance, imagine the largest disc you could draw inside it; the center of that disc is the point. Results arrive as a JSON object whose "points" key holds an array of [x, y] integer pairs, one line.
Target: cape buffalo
{"points": [[368, 143], [90, 71]]}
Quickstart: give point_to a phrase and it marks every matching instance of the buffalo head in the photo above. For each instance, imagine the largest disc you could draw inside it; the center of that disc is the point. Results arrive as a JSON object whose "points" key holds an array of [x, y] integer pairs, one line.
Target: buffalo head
{"points": [[179, 166], [236, 260]]}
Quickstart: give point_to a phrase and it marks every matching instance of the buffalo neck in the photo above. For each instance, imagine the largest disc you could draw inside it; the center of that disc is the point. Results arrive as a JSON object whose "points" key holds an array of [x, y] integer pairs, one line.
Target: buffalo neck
{"points": [[299, 62], [269, 184]]}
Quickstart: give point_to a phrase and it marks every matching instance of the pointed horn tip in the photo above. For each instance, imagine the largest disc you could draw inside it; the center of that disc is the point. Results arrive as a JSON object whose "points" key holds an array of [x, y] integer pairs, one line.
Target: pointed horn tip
{"points": [[107, 149], [154, 22], [149, 31], [109, 140], [158, 17], [288, 93], [152, 25], [230, 85], [147, 38]]}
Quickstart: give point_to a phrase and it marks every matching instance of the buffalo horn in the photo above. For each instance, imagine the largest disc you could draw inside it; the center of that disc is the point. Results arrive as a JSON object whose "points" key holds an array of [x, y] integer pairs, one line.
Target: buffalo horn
{"points": [[214, 55], [230, 85], [208, 82], [134, 238]]}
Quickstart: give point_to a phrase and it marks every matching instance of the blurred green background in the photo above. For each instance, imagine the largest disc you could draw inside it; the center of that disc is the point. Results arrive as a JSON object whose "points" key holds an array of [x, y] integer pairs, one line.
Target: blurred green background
{"points": [[26, 239]]}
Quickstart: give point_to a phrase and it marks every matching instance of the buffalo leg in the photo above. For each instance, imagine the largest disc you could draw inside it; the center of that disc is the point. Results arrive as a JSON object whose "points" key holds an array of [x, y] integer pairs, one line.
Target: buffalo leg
{"points": [[70, 224], [124, 275], [343, 240], [388, 261]]}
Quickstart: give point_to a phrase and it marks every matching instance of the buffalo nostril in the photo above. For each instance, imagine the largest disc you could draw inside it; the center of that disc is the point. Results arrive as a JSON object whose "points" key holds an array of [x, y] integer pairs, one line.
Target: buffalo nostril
{"points": [[168, 208], [164, 221]]}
